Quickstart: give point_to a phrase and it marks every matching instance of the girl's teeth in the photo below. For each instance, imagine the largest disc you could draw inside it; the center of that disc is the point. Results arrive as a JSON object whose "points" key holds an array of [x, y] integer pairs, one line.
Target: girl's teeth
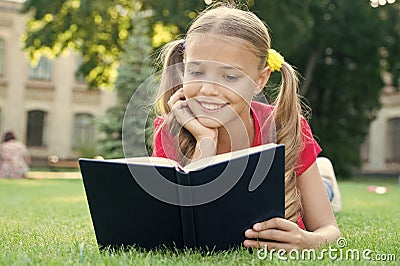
{"points": [[211, 106]]}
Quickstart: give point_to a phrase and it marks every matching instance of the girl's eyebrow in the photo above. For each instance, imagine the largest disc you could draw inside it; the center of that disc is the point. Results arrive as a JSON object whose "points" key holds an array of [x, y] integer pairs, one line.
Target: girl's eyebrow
{"points": [[196, 63], [232, 68]]}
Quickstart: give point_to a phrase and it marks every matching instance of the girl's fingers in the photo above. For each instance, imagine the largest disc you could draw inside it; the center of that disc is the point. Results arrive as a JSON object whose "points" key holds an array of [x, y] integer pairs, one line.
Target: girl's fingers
{"points": [[177, 96], [275, 223], [277, 232], [185, 117], [270, 234], [268, 245], [182, 112]]}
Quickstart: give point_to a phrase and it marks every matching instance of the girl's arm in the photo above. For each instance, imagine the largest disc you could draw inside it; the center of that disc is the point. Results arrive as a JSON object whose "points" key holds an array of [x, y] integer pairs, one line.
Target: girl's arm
{"points": [[279, 233], [317, 212], [206, 138], [205, 147]]}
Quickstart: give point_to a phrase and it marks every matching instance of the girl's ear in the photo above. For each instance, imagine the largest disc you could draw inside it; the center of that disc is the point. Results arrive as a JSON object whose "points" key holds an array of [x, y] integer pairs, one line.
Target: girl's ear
{"points": [[262, 80]]}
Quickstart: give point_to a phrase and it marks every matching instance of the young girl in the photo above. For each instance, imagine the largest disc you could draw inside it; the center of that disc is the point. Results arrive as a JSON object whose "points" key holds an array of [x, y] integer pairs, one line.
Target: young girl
{"points": [[206, 92]]}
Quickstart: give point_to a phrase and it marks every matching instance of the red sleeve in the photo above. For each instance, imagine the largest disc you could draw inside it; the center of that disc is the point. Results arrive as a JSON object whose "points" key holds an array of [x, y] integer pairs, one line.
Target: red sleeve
{"points": [[310, 150], [158, 150], [164, 144]]}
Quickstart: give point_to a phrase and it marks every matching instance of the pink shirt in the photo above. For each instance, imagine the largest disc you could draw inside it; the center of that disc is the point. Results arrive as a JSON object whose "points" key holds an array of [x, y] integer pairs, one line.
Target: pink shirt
{"points": [[164, 143]]}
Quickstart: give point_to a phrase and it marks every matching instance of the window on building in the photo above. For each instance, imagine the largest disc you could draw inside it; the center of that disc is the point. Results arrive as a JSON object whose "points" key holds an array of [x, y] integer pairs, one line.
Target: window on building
{"points": [[83, 132], [393, 140], [37, 128], [365, 149], [2, 57], [42, 71], [78, 76]]}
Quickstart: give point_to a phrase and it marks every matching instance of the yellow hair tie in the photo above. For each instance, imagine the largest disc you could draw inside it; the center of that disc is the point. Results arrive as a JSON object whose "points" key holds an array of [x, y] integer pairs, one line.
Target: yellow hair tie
{"points": [[275, 60]]}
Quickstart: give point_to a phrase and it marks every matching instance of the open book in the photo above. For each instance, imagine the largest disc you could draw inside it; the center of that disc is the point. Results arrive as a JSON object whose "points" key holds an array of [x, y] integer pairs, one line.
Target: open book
{"points": [[153, 202]]}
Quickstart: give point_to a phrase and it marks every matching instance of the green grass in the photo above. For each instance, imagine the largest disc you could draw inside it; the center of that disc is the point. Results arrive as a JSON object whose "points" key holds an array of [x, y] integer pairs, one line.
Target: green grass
{"points": [[47, 222]]}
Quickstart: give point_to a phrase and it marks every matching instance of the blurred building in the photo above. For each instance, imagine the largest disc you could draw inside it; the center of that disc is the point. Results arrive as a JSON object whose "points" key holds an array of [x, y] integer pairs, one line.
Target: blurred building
{"points": [[47, 105], [381, 151]]}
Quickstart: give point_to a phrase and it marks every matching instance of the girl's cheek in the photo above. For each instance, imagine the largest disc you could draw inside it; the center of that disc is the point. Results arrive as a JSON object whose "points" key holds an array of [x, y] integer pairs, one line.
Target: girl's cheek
{"points": [[189, 90]]}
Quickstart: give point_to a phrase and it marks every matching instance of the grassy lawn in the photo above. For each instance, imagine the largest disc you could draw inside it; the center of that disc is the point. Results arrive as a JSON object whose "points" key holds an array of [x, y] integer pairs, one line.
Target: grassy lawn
{"points": [[48, 222]]}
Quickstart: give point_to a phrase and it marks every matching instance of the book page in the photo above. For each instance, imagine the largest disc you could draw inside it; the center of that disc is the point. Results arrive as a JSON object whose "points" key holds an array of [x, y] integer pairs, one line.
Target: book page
{"points": [[157, 161], [198, 164]]}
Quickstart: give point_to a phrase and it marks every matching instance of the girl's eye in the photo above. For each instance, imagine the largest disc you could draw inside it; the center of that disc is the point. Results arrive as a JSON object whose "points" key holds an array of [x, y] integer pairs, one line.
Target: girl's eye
{"points": [[231, 77], [196, 73]]}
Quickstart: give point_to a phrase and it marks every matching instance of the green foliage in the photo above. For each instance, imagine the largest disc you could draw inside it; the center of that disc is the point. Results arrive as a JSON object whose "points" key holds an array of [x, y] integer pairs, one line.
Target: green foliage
{"points": [[96, 29], [389, 29], [110, 146], [174, 12], [336, 51], [87, 151], [290, 23], [133, 71], [344, 91]]}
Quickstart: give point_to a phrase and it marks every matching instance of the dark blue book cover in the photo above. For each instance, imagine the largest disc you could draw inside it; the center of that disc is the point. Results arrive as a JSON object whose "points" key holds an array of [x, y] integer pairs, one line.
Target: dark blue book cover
{"points": [[208, 207]]}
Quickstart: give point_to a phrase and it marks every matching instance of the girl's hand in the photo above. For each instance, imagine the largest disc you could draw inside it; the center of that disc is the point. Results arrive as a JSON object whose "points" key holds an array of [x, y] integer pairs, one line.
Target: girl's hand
{"points": [[184, 116], [277, 233]]}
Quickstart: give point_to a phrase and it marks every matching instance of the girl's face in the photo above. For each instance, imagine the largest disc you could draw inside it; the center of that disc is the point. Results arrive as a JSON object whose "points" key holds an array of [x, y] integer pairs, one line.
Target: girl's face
{"points": [[220, 80]]}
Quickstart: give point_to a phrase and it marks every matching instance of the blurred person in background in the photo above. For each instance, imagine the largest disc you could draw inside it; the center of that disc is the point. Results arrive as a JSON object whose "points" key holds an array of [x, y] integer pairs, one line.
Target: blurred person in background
{"points": [[14, 157]]}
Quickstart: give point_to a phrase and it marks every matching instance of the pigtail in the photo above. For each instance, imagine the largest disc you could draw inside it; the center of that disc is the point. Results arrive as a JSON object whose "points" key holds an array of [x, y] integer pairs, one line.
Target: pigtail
{"points": [[287, 120], [171, 80], [172, 74]]}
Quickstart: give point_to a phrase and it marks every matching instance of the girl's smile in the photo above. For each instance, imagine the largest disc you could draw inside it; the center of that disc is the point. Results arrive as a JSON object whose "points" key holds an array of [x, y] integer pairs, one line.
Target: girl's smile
{"points": [[220, 79], [211, 107]]}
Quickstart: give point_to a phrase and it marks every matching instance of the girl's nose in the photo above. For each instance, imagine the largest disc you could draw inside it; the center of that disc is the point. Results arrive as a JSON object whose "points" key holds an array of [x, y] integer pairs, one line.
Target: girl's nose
{"points": [[209, 89]]}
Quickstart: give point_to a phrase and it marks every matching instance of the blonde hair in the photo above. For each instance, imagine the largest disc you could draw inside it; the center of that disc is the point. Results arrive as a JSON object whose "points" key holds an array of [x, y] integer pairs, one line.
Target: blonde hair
{"points": [[229, 22]]}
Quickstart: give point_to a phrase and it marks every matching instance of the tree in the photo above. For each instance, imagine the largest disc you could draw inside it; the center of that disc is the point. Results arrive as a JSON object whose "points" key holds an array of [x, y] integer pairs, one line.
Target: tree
{"points": [[97, 29], [135, 68], [174, 12], [344, 91], [337, 53], [390, 28]]}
